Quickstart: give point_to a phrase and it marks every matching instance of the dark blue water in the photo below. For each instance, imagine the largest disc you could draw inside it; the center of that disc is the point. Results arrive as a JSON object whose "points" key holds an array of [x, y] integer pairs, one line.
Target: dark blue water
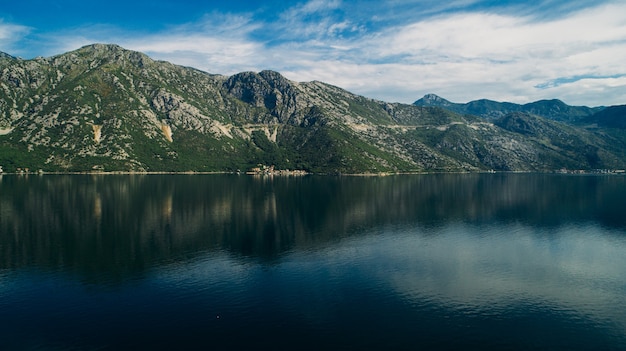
{"points": [[222, 262]]}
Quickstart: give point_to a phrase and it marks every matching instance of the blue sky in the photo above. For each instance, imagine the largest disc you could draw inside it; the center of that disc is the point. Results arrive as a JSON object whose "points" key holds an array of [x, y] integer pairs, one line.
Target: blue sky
{"points": [[396, 50]]}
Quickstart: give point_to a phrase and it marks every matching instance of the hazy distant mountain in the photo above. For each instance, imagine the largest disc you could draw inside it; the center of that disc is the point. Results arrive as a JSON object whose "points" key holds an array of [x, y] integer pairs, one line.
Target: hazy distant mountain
{"points": [[552, 109], [106, 108], [611, 117]]}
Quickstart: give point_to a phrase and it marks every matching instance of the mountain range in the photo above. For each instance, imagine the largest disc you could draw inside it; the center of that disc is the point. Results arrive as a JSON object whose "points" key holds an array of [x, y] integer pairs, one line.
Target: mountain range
{"points": [[552, 109], [105, 108]]}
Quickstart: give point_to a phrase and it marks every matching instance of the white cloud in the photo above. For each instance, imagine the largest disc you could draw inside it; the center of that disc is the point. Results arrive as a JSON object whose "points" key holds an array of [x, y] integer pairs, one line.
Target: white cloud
{"points": [[320, 20], [465, 56], [314, 6], [218, 55], [481, 50], [10, 35], [459, 55]]}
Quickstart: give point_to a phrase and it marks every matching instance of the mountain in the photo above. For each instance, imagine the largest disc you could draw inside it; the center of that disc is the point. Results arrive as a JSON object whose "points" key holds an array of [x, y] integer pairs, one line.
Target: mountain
{"points": [[552, 109], [6, 56], [611, 117], [105, 108]]}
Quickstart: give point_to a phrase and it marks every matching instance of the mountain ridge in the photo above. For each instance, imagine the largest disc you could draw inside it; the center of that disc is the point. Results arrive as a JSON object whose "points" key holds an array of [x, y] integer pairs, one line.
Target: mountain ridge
{"points": [[4, 55], [611, 117], [102, 107], [554, 109]]}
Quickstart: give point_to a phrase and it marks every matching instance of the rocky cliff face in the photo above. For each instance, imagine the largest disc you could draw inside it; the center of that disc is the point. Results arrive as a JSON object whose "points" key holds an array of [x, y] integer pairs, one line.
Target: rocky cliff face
{"points": [[104, 107], [268, 90]]}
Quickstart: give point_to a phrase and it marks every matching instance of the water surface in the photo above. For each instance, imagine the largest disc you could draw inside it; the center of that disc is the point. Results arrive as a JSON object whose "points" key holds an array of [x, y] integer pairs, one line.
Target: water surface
{"points": [[493, 261]]}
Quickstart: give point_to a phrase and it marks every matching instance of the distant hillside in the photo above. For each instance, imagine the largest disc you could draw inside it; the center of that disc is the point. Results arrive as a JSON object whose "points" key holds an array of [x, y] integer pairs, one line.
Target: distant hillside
{"points": [[552, 109], [104, 108], [611, 117]]}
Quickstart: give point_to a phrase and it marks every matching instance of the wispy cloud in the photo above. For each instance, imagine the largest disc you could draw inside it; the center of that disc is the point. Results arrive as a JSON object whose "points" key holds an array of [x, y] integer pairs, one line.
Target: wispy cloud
{"points": [[311, 7], [219, 43], [506, 57], [10, 35], [316, 20]]}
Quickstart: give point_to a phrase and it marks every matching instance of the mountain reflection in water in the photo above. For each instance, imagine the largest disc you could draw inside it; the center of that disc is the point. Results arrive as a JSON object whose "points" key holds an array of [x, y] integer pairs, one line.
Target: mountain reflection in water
{"points": [[497, 250]]}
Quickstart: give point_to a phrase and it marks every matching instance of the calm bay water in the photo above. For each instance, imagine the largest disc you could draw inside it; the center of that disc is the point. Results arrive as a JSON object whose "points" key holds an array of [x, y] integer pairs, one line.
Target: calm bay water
{"points": [[221, 262]]}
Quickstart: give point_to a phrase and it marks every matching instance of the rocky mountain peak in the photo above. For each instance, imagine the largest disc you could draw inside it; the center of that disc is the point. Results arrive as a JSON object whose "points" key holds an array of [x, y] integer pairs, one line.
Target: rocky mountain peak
{"points": [[274, 78], [266, 89], [432, 100], [108, 53], [99, 47]]}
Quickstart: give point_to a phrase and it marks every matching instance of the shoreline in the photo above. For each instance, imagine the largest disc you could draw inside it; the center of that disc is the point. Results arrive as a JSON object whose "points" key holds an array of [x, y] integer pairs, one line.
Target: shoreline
{"points": [[283, 173]]}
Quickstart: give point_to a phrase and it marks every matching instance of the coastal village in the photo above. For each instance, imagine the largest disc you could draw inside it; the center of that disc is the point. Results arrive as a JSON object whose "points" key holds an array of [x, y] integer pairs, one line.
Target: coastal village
{"points": [[270, 170]]}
